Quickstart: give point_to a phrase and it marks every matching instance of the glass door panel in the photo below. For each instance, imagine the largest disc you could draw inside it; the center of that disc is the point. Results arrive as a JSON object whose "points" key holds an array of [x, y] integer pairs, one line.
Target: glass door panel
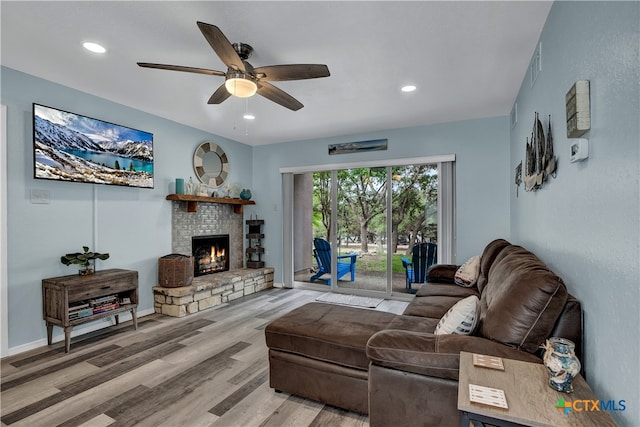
{"points": [[414, 192], [361, 228], [311, 218]]}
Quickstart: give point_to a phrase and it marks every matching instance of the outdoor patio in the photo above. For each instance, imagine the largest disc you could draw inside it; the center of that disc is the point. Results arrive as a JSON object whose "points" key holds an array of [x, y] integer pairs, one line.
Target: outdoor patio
{"points": [[371, 280]]}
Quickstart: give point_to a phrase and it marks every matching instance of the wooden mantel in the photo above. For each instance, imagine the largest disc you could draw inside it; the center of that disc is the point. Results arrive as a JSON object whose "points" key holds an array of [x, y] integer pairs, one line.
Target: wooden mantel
{"points": [[192, 201]]}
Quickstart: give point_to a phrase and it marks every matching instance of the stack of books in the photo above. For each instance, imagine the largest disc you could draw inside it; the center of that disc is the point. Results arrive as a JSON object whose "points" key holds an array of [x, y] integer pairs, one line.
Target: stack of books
{"points": [[102, 304], [79, 310]]}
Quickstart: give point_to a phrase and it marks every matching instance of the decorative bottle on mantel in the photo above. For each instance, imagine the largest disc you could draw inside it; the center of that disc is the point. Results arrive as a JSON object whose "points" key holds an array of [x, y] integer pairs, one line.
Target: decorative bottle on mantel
{"points": [[190, 187]]}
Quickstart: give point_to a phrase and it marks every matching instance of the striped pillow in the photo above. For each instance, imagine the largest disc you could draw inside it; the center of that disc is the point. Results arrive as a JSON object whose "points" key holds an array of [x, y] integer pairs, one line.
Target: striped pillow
{"points": [[461, 319], [467, 274]]}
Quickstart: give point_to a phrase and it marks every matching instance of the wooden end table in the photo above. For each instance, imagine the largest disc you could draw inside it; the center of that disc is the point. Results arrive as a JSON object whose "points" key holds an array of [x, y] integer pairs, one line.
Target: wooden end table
{"points": [[530, 400]]}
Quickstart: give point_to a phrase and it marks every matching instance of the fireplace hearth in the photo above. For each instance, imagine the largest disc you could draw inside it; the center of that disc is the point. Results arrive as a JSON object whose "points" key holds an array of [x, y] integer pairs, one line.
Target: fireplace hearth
{"points": [[210, 254]]}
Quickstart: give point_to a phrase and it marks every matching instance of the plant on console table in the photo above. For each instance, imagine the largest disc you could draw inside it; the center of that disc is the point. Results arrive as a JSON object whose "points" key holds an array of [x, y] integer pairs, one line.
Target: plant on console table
{"points": [[86, 260]]}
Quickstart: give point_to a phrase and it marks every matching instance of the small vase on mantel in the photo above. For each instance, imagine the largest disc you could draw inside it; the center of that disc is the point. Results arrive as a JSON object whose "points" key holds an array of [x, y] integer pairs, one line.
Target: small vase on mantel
{"points": [[561, 362], [245, 194]]}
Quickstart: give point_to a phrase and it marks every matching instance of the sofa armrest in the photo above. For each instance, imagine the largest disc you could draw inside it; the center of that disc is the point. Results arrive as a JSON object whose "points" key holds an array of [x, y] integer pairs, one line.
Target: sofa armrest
{"points": [[433, 355], [442, 273]]}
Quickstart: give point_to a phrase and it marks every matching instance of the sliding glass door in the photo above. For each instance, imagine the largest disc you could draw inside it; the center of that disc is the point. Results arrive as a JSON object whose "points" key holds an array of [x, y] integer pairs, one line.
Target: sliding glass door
{"points": [[350, 227]]}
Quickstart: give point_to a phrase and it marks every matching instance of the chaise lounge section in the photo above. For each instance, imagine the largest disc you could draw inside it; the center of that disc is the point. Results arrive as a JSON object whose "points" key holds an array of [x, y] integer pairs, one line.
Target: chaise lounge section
{"points": [[394, 367]]}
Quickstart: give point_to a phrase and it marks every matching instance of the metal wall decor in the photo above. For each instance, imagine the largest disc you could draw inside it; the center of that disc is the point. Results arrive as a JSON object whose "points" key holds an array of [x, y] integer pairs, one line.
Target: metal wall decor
{"points": [[518, 177], [540, 162], [210, 164]]}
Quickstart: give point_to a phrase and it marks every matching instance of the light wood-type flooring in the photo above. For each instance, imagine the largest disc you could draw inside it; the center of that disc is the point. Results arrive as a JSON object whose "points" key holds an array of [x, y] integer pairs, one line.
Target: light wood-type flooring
{"points": [[206, 369]]}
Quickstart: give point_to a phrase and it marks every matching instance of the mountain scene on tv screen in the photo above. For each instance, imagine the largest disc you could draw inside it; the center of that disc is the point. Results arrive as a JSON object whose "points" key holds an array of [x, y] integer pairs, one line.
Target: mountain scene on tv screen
{"points": [[75, 148]]}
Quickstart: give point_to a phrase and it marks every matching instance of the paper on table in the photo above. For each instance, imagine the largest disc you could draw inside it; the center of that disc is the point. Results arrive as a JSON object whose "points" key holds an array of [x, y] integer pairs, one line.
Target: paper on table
{"points": [[487, 396], [490, 362]]}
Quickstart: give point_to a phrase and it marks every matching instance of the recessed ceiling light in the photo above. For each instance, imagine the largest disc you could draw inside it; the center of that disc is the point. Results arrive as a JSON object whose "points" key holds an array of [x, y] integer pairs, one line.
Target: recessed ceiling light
{"points": [[249, 116], [94, 47], [408, 88]]}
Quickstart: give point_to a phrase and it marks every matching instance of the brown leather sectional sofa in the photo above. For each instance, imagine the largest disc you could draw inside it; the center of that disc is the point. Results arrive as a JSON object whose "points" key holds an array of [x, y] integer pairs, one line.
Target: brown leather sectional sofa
{"points": [[393, 367]]}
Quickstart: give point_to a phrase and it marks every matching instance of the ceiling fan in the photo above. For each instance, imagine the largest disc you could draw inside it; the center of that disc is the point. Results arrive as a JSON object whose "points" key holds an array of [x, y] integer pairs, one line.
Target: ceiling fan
{"points": [[241, 79]]}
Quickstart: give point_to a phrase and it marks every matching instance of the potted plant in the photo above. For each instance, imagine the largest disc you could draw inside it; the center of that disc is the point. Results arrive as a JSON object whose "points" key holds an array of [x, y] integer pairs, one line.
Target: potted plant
{"points": [[86, 260]]}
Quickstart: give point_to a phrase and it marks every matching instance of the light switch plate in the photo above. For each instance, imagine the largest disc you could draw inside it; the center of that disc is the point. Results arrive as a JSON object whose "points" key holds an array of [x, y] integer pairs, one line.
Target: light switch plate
{"points": [[39, 196]]}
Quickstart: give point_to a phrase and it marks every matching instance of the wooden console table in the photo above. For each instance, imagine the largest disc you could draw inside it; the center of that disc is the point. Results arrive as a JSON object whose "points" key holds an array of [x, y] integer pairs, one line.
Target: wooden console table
{"points": [[530, 400], [102, 294]]}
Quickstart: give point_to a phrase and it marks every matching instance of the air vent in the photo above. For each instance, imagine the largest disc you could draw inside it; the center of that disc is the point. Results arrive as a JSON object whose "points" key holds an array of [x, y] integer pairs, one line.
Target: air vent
{"points": [[536, 64]]}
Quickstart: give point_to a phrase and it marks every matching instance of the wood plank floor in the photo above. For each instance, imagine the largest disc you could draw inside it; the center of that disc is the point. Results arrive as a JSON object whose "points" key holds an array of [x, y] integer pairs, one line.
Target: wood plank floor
{"points": [[207, 369]]}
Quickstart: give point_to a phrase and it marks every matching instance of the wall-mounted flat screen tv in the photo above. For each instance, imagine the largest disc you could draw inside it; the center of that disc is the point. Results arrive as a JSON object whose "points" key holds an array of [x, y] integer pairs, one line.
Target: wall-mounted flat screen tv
{"points": [[75, 148]]}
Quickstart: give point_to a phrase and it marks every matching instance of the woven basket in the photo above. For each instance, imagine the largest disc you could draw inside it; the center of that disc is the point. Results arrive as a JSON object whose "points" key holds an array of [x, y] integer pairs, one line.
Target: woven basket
{"points": [[175, 270]]}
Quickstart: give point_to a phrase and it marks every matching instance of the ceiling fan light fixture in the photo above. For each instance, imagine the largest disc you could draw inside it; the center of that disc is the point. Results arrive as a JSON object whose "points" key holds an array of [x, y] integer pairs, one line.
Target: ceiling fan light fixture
{"points": [[408, 88], [239, 85], [94, 47]]}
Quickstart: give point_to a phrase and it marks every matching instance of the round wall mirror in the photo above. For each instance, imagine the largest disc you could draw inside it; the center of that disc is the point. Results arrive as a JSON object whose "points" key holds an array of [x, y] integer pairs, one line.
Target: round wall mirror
{"points": [[211, 164]]}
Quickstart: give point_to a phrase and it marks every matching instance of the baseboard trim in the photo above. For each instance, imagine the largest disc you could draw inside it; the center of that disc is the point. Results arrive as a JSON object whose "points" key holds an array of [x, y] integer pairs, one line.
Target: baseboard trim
{"points": [[90, 327]]}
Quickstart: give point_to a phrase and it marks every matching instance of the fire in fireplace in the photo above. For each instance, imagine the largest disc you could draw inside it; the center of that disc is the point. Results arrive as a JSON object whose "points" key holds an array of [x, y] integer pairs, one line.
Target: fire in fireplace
{"points": [[210, 254]]}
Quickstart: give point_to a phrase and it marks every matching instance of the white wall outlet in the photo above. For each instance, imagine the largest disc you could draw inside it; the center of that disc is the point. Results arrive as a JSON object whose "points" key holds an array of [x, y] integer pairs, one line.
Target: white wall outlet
{"points": [[579, 150]]}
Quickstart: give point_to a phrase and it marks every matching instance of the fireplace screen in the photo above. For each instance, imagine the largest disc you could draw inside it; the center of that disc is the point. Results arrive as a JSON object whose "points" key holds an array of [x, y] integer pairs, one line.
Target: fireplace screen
{"points": [[210, 254]]}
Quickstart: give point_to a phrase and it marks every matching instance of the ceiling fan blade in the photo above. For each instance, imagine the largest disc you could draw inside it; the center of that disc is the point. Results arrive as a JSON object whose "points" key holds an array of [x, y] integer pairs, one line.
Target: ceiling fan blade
{"points": [[222, 46], [182, 68], [292, 72], [278, 96], [219, 95]]}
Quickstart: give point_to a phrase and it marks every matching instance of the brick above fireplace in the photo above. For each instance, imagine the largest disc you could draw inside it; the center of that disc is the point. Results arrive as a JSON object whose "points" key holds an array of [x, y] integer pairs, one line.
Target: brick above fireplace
{"points": [[210, 219]]}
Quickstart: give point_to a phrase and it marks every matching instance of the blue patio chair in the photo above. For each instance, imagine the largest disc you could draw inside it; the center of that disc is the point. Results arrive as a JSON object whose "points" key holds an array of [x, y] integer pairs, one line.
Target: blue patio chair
{"points": [[322, 252], [424, 256]]}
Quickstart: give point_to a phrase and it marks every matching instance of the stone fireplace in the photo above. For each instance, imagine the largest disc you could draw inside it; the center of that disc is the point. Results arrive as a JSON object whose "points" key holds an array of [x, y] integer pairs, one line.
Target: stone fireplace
{"points": [[210, 254], [188, 229]]}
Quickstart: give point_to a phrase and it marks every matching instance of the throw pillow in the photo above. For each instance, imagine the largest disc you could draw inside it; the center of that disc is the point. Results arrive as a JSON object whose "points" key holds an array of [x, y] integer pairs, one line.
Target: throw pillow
{"points": [[467, 274], [461, 319]]}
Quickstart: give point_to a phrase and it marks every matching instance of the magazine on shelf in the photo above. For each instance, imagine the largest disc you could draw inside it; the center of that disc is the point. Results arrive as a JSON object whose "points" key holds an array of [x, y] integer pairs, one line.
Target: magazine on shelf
{"points": [[78, 305], [103, 300], [85, 312], [104, 308]]}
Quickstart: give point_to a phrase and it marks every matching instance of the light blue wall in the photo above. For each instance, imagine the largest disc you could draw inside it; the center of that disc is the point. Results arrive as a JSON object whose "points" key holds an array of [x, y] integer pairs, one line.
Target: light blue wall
{"points": [[133, 225], [482, 176], [584, 224]]}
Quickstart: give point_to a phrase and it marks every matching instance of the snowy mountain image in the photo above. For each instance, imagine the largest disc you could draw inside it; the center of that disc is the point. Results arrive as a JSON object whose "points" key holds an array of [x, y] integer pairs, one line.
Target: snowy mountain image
{"points": [[71, 147]]}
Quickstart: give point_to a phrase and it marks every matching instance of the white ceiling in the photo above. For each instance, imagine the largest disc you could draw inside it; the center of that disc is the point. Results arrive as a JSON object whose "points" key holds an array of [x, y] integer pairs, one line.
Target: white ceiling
{"points": [[467, 59]]}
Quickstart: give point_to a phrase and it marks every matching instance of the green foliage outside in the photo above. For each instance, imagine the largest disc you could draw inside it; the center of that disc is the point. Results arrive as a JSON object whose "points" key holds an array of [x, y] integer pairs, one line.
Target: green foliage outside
{"points": [[362, 209], [379, 263]]}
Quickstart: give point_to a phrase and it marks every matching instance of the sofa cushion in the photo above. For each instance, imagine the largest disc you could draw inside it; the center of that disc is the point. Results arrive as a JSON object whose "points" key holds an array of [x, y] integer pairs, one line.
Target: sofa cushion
{"points": [[521, 301], [461, 319], [487, 258], [446, 290], [327, 332], [434, 306], [413, 323], [442, 273], [467, 274], [433, 355]]}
